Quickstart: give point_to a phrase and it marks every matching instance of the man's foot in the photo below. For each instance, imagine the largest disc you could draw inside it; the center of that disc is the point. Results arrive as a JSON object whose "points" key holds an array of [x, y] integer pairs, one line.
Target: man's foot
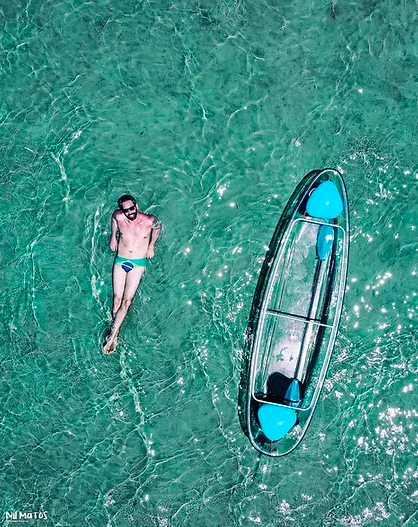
{"points": [[110, 346]]}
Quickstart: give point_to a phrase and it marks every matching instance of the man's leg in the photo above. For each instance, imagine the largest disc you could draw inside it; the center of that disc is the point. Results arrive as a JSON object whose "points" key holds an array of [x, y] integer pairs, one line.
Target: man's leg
{"points": [[119, 279], [131, 285]]}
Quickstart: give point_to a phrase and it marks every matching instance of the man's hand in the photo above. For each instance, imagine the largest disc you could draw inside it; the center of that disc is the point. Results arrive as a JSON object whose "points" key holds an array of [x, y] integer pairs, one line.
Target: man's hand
{"points": [[113, 244], [150, 252]]}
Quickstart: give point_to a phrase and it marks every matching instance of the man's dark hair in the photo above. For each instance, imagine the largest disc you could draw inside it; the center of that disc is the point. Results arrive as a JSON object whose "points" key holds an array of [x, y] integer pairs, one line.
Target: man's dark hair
{"points": [[125, 197]]}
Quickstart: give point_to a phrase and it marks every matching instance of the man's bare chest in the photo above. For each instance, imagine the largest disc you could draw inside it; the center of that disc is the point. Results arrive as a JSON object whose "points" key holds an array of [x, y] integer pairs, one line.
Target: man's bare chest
{"points": [[134, 231]]}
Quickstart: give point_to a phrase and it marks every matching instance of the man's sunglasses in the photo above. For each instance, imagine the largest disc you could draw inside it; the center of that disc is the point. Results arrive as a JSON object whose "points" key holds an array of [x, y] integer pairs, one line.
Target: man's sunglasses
{"points": [[129, 209]]}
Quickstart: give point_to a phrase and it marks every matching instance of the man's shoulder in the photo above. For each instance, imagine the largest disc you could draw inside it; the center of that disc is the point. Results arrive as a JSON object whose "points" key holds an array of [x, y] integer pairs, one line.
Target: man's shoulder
{"points": [[146, 217], [117, 214]]}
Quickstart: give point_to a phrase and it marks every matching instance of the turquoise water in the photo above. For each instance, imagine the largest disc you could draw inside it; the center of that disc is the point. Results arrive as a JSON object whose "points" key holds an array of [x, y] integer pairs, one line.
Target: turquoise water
{"points": [[209, 113]]}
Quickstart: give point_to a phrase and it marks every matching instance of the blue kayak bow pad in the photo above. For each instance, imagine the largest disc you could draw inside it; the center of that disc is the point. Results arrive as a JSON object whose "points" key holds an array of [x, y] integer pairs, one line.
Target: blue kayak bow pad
{"points": [[325, 201], [276, 420]]}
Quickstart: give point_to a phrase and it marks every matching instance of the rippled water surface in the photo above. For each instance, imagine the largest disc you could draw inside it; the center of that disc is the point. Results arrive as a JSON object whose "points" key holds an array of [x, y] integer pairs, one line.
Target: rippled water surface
{"points": [[209, 112]]}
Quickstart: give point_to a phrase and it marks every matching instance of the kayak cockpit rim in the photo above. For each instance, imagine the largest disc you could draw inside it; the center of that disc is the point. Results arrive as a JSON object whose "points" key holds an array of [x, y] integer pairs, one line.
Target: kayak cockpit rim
{"points": [[265, 311]]}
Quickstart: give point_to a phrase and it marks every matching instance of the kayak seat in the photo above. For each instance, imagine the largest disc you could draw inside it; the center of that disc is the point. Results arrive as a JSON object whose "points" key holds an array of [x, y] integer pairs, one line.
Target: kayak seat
{"points": [[284, 390]]}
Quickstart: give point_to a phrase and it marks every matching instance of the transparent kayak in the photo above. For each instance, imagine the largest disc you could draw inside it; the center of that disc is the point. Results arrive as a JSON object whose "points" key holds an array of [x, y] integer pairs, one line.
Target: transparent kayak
{"points": [[296, 312]]}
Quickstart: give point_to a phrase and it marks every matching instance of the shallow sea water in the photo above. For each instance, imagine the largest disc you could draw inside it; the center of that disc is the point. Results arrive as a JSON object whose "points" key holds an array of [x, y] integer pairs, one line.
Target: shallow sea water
{"points": [[209, 113]]}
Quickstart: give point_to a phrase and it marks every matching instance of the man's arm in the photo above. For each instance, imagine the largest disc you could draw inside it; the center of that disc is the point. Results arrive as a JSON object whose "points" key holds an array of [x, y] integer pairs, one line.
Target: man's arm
{"points": [[113, 240], [155, 232]]}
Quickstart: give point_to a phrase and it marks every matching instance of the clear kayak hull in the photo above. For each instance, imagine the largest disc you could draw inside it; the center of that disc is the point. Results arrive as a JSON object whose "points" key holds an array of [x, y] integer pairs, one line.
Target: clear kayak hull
{"points": [[296, 313]]}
